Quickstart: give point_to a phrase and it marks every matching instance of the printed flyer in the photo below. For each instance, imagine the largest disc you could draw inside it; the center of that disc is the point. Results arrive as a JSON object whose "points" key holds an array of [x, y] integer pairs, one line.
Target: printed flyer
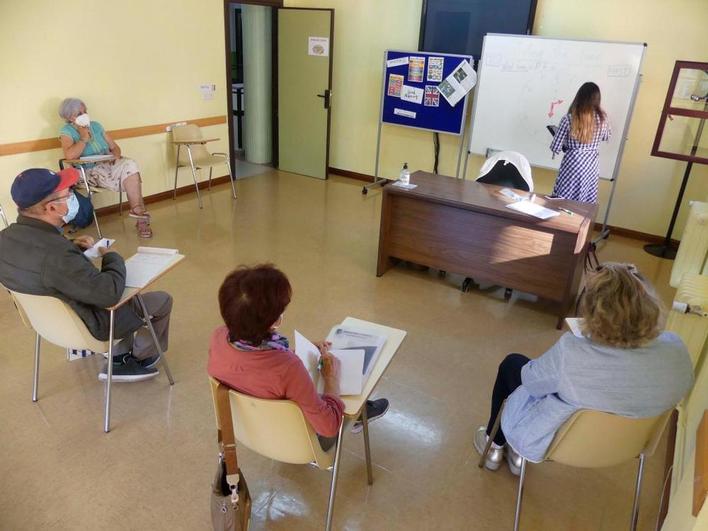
{"points": [[416, 67]]}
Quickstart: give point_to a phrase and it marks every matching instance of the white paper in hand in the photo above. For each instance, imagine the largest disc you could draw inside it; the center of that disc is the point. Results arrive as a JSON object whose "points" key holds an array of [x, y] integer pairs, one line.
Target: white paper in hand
{"points": [[309, 354], [351, 369], [93, 252]]}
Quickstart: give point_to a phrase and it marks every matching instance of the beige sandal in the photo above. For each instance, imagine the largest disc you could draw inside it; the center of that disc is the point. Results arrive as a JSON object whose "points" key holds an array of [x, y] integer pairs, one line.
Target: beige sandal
{"points": [[142, 215], [143, 228]]}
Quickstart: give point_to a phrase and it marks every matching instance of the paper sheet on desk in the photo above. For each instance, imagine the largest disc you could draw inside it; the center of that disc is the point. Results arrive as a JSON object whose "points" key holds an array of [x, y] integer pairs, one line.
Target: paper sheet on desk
{"points": [[147, 264], [96, 158], [532, 209], [93, 251], [351, 365]]}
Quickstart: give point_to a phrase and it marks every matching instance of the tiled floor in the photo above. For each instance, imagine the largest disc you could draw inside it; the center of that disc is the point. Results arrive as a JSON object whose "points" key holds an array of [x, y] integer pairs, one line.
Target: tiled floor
{"points": [[58, 470]]}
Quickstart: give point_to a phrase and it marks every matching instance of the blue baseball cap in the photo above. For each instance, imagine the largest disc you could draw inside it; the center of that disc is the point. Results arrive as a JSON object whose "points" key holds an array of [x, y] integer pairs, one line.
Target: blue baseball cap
{"points": [[35, 184]]}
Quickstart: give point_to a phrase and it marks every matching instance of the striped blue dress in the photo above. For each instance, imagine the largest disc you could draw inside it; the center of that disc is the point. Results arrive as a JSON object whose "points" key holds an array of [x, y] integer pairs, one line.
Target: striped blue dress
{"points": [[580, 168]]}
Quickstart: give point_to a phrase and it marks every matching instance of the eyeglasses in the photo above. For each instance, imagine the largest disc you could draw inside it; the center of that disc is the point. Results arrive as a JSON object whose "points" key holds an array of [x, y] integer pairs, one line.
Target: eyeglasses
{"points": [[62, 198]]}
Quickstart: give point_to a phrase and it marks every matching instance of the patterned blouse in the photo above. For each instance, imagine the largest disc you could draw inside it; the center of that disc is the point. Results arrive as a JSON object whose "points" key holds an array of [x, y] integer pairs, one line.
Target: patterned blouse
{"points": [[580, 169]]}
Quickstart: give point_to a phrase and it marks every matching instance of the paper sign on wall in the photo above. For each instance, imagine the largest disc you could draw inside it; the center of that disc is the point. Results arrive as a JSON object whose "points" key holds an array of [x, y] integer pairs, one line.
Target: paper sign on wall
{"points": [[318, 46], [207, 90], [412, 94]]}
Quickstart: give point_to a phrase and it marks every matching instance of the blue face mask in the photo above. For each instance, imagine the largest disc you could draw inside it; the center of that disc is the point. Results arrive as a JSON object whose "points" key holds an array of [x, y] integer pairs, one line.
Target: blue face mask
{"points": [[73, 205]]}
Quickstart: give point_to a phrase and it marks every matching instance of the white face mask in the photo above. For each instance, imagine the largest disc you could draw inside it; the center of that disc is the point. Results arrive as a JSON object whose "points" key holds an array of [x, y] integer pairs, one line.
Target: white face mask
{"points": [[82, 120]]}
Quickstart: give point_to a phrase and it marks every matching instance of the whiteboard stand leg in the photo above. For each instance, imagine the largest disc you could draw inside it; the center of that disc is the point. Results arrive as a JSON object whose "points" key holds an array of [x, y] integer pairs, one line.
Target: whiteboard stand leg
{"points": [[378, 182], [605, 232], [464, 168], [459, 155]]}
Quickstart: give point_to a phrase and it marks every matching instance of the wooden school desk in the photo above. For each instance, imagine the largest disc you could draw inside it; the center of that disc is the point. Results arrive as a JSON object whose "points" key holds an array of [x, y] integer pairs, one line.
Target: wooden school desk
{"points": [[465, 227]]}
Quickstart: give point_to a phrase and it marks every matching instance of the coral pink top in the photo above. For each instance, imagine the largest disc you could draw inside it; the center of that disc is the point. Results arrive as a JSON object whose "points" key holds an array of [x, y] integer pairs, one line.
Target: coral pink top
{"points": [[277, 374]]}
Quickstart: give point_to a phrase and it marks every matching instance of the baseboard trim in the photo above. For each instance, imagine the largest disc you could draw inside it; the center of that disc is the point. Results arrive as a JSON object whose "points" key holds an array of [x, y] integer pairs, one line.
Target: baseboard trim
{"points": [[351, 174], [635, 234], [619, 231], [189, 188], [167, 194]]}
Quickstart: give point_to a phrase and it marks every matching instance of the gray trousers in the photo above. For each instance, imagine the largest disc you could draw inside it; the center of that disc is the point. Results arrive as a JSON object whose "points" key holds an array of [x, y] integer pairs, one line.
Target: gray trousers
{"points": [[159, 306]]}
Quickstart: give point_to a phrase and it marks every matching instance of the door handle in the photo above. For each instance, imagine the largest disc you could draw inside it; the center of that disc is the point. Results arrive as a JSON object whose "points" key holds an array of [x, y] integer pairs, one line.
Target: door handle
{"points": [[327, 96]]}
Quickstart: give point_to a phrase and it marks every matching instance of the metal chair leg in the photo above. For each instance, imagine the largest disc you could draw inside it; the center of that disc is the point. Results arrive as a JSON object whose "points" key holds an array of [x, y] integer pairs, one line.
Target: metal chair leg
{"points": [[211, 169], [120, 199], [367, 448], [637, 492], [174, 191], [109, 374], [194, 175], [35, 378], [520, 494], [233, 178], [163, 360], [490, 440], [90, 196], [335, 475]]}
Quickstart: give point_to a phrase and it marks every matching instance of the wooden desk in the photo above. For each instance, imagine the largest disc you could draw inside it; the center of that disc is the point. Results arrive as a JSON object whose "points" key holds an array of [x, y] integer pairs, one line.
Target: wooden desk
{"points": [[465, 227]]}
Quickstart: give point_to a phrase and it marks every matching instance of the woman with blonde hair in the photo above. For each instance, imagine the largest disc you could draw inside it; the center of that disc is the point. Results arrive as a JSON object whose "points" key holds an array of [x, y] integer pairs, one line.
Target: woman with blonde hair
{"points": [[624, 364], [579, 135]]}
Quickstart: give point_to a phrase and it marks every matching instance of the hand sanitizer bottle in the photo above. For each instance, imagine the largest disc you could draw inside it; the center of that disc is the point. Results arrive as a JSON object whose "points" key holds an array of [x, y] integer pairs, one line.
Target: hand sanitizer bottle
{"points": [[405, 176]]}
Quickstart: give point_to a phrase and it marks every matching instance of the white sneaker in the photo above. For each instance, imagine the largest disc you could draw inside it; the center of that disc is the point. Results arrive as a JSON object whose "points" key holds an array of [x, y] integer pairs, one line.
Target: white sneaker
{"points": [[495, 455], [513, 459]]}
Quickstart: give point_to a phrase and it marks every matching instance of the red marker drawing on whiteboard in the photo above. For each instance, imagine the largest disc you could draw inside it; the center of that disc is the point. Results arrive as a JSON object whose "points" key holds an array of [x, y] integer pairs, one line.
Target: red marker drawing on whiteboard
{"points": [[553, 105]]}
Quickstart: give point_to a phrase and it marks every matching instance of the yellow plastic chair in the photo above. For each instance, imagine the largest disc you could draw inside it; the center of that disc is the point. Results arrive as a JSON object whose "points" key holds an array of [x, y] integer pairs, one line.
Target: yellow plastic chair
{"points": [[595, 439], [5, 222], [278, 430], [196, 156], [53, 320]]}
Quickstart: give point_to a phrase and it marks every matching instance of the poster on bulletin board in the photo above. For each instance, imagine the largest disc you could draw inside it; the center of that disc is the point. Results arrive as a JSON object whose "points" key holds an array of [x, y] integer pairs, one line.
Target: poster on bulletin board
{"points": [[412, 86]]}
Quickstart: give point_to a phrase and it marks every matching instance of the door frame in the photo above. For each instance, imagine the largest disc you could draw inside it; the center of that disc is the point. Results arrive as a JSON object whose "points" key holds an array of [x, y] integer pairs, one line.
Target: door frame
{"points": [[274, 5], [329, 80]]}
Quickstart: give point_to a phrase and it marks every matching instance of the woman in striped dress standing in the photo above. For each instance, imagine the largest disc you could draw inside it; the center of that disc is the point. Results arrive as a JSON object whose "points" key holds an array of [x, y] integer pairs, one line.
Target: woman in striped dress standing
{"points": [[579, 135]]}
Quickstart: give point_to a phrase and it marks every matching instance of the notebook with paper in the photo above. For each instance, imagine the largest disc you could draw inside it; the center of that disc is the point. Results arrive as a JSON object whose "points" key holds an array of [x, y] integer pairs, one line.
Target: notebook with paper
{"points": [[351, 365], [147, 264], [532, 209]]}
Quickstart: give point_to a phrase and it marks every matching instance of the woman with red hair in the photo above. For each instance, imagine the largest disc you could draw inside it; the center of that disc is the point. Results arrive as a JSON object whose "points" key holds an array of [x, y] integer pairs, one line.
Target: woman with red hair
{"points": [[249, 355]]}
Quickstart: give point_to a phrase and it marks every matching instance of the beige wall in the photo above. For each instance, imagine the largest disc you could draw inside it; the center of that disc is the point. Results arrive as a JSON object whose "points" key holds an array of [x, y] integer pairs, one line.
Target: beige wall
{"points": [[143, 64], [134, 63], [647, 186]]}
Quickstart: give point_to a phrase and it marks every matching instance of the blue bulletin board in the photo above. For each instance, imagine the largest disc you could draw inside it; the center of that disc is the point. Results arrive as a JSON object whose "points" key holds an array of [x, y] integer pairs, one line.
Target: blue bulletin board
{"points": [[425, 76]]}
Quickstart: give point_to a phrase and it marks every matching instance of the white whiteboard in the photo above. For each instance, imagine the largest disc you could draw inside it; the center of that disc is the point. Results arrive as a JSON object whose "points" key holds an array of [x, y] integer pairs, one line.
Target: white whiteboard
{"points": [[520, 77]]}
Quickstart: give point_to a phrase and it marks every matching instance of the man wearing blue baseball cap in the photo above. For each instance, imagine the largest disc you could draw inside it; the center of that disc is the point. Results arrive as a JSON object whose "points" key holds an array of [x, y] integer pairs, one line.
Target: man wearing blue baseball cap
{"points": [[37, 259]]}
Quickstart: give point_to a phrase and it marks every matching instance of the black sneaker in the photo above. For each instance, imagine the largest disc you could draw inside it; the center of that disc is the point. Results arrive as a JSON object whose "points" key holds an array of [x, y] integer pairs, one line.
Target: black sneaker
{"points": [[375, 409], [148, 363], [127, 369]]}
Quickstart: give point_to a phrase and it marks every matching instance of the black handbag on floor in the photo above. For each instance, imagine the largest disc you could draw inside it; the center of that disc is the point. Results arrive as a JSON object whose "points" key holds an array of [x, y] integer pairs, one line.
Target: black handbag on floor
{"points": [[84, 217]]}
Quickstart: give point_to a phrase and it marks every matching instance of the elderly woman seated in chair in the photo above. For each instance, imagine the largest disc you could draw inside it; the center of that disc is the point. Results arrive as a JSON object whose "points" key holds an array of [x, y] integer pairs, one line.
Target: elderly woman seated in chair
{"points": [[623, 364], [249, 355], [82, 137]]}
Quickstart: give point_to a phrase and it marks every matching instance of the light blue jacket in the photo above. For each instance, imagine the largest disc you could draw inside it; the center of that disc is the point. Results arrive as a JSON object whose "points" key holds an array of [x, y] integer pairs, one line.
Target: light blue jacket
{"points": [[576, 374]]}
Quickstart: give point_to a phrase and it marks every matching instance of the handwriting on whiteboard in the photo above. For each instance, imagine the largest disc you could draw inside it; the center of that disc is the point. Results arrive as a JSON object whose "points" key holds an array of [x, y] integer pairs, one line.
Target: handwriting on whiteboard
{"points": [[551, 111]]}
